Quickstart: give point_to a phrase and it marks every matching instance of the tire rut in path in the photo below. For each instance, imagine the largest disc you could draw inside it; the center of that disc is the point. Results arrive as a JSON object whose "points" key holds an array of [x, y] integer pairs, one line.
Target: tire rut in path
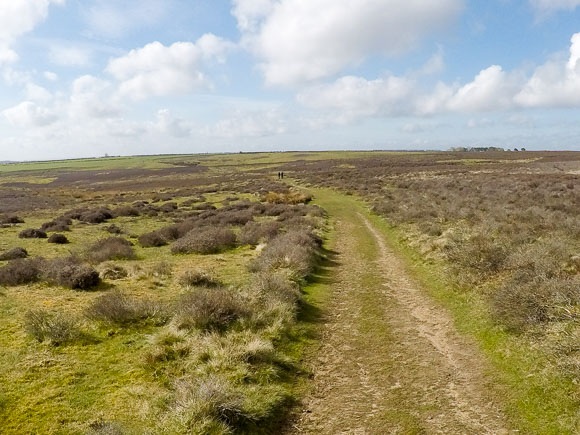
{"points": [[390, 360]]}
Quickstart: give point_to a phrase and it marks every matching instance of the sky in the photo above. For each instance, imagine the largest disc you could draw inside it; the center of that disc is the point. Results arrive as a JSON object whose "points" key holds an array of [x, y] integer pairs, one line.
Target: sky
{"points": [[88, 78]]}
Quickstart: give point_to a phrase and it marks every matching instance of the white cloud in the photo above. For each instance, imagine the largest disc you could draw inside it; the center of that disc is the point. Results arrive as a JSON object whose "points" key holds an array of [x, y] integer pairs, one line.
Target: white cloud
{"points": [[492, 89], [37, 93], [68, 55], [50, 76], [113, 19], [356, 97], [304, 40], [167, 124], [556, 83], [18, 17], [92, 97], [249, 13], [29, 114], [245, 124], [543, 6], [159, 70]]}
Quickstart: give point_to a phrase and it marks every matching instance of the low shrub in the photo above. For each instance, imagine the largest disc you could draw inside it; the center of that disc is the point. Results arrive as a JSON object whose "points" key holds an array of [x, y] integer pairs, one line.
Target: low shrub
{"points": [[57, 225], [294, 251], [168, 207], [206, 241], [153, 239], [116, 307], [210, 308], [254, 233], [20, 271], [204, 206], [125, 210], [59, 239], [198, 278], [32, 233], [96, 216], [277, 286], [290, 197], [57, 328], [10, 220], [111, 248], [14, 254], [70, 272], [114, 229]]}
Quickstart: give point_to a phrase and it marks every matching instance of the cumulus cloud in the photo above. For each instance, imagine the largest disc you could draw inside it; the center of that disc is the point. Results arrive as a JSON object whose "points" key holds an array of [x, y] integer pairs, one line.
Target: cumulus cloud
{"points": [[553, 84], [18, 18], [92, 97], [491, 89], [67, 55], [29, 114], [556, 83], [356, 97], [245, 124], [113, 19], [303, 40], [159, 70], [170, 125]]}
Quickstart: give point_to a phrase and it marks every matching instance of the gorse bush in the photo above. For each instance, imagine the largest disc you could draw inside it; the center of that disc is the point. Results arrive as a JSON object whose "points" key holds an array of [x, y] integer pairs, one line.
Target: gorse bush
{"points": [[111, 248], [205, 241], [57, 328]]}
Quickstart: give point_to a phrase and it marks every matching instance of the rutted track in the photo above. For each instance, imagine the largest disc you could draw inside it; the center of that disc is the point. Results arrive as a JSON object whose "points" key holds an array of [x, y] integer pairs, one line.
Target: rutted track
{"points": [[390, 360]]}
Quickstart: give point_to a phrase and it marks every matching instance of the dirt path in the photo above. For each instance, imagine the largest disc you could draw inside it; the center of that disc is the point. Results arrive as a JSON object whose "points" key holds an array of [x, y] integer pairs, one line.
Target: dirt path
{"points": [[390, 359]]}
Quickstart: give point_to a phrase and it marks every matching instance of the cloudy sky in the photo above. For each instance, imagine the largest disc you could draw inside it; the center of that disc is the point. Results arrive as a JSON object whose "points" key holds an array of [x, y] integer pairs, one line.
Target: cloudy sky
{"points": [[119, 77]]}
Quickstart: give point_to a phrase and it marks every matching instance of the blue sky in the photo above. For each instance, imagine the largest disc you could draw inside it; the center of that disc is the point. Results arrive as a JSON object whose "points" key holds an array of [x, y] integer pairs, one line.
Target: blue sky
{"points": [[85, 78]]}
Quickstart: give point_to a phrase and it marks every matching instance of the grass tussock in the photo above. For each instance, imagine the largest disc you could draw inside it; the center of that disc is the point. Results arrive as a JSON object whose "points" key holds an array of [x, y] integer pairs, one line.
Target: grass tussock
{"points": [[56, 328], [119, 308], [198, 278]]}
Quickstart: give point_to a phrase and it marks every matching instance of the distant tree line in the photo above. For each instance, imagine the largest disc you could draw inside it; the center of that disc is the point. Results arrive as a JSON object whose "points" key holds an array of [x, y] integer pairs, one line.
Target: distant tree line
{"points": [[480, 149]]}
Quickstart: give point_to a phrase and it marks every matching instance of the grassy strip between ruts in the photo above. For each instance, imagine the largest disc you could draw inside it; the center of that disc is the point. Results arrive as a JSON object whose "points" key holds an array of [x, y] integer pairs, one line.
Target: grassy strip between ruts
{"points": [[536, 398]]}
